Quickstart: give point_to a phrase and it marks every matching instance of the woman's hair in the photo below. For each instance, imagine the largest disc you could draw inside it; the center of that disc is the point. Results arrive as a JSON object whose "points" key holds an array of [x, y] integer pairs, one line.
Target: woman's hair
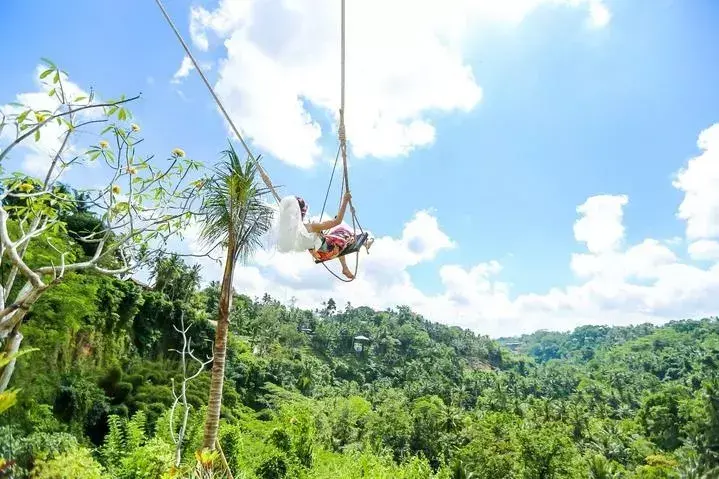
{"points": [[303, 206]]}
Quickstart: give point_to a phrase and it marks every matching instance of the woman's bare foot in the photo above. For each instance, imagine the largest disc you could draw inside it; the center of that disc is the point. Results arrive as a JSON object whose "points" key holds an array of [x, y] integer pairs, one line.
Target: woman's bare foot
{"points": [[346, 271], [368, 243]]}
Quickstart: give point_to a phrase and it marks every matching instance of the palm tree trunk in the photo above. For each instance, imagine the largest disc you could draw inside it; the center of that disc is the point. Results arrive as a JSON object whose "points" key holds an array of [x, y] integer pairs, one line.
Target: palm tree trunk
{"points": [[212, 420]]}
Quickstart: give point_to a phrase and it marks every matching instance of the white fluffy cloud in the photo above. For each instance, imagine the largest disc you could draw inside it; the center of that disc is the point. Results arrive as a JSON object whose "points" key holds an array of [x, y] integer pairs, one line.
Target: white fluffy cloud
{"points": [[39, 154], [600, 226], [704, 250], [699, 181], [615, 283], [599, 14], [406, 60], [185, 68]]}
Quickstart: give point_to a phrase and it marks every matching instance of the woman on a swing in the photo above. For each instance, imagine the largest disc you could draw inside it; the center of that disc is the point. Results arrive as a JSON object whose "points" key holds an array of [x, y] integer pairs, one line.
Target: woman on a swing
{"points": [[295, 235]]}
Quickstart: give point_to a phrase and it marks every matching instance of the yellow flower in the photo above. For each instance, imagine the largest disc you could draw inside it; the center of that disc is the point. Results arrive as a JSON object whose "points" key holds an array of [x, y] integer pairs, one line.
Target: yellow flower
{"points": [[116, 189], [206, 457], [40, 117], [135, 127], [104, 144], [131, 170], [25, 187], [178, 152]]}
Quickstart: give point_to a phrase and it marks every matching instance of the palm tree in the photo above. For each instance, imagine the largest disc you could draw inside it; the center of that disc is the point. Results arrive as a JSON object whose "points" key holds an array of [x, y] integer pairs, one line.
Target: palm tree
{"points": [[236, 217]]}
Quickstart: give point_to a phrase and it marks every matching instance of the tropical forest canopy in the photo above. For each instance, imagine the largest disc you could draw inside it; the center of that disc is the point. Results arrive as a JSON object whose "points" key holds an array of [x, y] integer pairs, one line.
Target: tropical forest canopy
{"points": [[303, 398]]}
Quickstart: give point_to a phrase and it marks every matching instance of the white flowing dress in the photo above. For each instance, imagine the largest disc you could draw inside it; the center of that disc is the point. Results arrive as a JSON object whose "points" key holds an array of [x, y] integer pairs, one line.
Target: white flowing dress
{"points": [[292, 232]]}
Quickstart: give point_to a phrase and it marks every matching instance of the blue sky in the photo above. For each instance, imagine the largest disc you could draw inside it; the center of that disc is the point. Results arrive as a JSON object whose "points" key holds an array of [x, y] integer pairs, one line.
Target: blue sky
{"points": [[574, 104]]}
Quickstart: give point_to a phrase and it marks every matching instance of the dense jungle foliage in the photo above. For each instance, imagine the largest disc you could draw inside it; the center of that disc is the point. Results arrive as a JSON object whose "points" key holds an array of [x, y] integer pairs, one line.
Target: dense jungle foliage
{"points": [[306, 396]]}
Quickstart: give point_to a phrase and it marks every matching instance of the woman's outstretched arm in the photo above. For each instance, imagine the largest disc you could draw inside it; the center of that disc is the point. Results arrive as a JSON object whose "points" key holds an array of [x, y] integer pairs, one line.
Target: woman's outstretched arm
{"points": [[325, 225]]}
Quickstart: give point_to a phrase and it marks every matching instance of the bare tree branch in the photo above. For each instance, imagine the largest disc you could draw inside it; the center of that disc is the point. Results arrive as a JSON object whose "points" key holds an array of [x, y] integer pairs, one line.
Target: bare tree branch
{"points": [[11, 251], [182, 396], [32, 130]]}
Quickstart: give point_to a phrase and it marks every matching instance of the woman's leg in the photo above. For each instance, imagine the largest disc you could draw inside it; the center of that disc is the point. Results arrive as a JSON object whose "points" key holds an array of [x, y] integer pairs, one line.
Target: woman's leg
{"points": [[345, 269]]}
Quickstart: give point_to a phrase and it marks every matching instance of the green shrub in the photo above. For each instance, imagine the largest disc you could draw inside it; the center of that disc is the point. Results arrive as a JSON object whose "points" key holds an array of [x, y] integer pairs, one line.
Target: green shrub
{"points": [[74, 464], [273, 467], [149, 461]]}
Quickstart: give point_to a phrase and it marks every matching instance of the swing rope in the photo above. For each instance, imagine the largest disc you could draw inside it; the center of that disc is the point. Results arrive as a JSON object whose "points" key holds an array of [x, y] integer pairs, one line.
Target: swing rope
{"points": [[262, 171], [355, 224], [265, 177], [329, 186], [343, 151]]}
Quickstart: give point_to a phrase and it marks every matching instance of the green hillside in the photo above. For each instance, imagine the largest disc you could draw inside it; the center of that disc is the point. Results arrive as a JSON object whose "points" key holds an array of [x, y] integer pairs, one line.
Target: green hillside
{"points": [[305, 398]]}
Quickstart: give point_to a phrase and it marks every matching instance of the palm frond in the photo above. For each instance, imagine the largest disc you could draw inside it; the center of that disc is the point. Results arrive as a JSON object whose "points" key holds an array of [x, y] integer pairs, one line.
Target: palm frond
{"points": [[234, 207]]}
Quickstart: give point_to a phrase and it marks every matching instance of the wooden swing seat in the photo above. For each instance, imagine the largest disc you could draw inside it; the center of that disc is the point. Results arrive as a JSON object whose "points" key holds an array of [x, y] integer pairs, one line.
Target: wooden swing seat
{"points": [[360, 240]]}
